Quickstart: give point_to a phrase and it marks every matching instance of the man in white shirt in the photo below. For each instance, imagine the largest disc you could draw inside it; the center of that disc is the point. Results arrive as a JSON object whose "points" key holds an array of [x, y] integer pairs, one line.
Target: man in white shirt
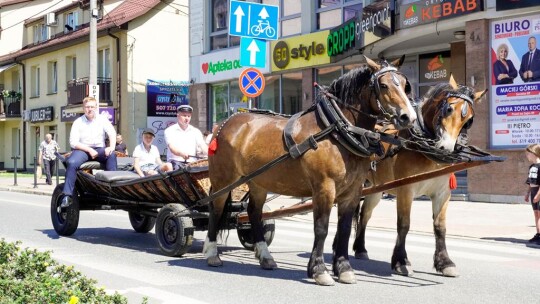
{"points": [[184, 142], [87, 140], [47, 148], [147, 160]]}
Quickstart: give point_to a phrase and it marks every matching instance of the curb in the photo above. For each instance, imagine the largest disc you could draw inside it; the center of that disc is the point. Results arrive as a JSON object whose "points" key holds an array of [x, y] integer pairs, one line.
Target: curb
{"points": [[25, 190]]}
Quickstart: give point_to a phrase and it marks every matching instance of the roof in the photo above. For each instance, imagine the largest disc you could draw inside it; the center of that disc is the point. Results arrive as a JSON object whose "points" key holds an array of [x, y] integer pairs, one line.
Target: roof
{"points": [[10, 2], [119, 16]]}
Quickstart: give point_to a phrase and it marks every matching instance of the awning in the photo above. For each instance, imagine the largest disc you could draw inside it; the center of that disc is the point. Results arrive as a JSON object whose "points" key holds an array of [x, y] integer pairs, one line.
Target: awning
{"points": [[7, 66]]}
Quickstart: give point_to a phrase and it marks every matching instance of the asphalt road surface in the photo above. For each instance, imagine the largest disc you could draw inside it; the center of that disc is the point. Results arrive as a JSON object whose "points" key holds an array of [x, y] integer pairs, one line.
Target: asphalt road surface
{"points": [[106, 248]]}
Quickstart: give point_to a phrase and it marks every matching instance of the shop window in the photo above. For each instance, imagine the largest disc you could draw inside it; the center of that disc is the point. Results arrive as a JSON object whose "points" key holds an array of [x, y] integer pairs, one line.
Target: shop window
{"points": [[220, 96], [270, 98], [326, 76], [292, 93]]}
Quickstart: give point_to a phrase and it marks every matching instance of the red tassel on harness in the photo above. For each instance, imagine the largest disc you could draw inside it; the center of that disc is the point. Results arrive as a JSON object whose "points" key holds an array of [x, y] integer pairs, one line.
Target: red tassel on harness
{"points": [[212, 147], [453, 181]]}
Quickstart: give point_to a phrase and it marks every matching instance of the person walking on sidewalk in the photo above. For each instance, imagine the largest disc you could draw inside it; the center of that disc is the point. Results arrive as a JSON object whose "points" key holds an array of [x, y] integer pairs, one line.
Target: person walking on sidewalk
{"points": [[87, 140], [47, 148], [533, 180]]}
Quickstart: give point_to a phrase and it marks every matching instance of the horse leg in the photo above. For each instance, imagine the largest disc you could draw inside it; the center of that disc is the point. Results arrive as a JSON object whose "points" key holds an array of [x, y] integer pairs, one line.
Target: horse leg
{"points": [[215, 213], [400, 263], [340, 264], [322, 206], [441, 261], [359, 246], [257, 198]]}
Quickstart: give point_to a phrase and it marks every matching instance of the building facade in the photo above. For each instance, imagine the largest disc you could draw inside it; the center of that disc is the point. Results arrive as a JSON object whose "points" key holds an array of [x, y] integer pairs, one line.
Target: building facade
{"points": [[44, 67], [318, 41]]}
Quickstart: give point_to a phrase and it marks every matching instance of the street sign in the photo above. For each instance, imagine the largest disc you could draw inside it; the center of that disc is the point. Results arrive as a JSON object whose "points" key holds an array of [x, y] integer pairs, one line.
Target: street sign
{"points": [[252, 52], [248, 19], [251, 82]]}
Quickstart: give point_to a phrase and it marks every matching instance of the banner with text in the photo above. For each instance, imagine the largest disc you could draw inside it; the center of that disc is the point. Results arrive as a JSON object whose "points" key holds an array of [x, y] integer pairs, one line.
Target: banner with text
{"points": [[515, 83], [163, 97]]}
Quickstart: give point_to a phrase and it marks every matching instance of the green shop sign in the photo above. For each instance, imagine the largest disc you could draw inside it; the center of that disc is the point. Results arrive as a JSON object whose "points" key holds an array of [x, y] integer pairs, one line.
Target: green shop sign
{"points": [[220, 66]]}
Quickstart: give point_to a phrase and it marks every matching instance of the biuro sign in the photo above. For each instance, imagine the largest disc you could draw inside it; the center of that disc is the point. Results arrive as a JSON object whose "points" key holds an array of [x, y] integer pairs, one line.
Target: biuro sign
{"points": [[299, 52], [427, 11]]}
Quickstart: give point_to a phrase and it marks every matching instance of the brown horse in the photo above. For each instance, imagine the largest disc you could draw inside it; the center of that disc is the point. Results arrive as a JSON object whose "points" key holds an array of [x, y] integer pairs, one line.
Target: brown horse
{"points": [[446, 110], [330, 172]]}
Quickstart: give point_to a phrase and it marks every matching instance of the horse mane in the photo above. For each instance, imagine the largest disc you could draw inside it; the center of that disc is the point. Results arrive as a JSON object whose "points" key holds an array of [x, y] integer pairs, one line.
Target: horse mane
{"points": [[349, 86], [446, 88]]}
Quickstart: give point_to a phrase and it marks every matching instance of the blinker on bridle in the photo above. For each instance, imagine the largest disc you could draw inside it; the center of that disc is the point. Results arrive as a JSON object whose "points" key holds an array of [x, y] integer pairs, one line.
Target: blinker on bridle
{"points": [[464, 108]]}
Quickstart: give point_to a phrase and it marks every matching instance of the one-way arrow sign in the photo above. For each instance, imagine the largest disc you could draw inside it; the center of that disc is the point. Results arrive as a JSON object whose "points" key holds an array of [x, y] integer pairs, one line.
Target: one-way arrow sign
{"points": [[253, 20], [252, 52]]}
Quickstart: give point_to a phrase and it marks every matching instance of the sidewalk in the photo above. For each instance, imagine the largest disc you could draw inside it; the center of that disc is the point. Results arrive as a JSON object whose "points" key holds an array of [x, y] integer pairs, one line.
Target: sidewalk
{"points": [[486, 221]]}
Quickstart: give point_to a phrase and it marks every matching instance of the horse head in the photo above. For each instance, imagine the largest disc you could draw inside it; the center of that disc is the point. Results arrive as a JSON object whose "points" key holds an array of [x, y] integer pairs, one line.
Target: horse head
{"points": [[389, 90], [447, 111]]}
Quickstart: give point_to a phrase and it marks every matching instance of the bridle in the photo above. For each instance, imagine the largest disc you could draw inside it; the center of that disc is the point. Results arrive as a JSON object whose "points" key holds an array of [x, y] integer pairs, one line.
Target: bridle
{"points": [[421, 132], [376, 87]]}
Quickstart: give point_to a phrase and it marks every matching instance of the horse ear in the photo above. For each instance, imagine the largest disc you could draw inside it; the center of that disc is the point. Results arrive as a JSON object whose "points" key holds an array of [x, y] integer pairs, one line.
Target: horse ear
{"points": [[372, 64], [452, 82], [479, 95], [398, 62]]}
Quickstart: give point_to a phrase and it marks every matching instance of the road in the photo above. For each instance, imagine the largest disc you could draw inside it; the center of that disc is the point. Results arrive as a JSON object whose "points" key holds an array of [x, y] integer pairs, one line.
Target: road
{"points": [[107, 249]]}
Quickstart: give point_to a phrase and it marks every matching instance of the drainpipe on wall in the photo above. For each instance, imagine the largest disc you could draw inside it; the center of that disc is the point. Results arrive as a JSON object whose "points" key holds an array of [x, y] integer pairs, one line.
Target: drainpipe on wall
{"points": [[119, 81], [23, 110]]}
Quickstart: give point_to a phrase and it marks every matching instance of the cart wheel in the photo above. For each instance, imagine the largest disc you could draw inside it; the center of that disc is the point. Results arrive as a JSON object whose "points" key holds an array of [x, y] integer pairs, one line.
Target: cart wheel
{"points": [[245, 234], [65, 220], [141, 223], [174, 233]]}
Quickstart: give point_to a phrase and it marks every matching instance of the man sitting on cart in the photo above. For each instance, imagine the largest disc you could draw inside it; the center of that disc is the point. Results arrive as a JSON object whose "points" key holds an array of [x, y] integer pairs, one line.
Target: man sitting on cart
{"points": [[147, 160], [87, 140], [185, 142]]}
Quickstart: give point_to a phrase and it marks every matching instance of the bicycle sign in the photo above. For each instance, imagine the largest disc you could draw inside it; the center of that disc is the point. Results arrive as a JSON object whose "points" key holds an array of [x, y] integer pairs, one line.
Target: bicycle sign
{"points": [[253, 20]]}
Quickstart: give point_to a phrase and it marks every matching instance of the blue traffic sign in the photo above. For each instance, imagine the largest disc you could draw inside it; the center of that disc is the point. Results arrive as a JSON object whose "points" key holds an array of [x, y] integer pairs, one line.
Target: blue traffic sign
{"points": [[251, 82], [252, 52], [248, 19]]}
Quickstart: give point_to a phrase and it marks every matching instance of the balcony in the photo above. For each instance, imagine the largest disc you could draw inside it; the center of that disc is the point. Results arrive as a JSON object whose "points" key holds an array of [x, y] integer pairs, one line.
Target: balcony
{"points": [[10, 104], [77, 90]]}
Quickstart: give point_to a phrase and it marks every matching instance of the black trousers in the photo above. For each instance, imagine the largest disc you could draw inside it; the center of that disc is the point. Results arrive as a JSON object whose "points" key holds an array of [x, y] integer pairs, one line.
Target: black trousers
{"points": [[49, 166]]}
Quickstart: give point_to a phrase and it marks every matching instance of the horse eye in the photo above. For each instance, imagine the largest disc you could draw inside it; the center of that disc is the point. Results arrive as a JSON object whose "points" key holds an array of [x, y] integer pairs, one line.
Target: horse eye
{"points": [[384, 86], [449, 110]]}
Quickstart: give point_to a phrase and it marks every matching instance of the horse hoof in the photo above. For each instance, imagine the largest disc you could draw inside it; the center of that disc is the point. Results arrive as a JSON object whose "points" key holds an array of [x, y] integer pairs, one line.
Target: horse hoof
{"points": [[361, 256], [347, 277], [214, 261], [450, 272], [323, 279], [268, 264], [404, 270]]}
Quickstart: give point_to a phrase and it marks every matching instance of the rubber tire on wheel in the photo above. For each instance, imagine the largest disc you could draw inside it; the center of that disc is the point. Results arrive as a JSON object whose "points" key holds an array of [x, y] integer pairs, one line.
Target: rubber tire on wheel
{"points": [[65, 220], [141, 223], [174, 233], [246, 237]]}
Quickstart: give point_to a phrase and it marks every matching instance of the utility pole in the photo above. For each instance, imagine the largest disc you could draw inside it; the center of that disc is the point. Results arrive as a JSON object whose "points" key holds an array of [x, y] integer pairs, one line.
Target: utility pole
{"points": [[92, 76]]}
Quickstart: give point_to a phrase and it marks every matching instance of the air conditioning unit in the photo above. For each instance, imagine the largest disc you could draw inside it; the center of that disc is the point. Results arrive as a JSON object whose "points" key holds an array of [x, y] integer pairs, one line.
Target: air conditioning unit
{"points": [[50, 19]]}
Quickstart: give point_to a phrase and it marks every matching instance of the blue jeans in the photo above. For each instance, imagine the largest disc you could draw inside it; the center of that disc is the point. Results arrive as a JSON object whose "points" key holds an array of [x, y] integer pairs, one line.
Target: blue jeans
{"points": [[79, 157]]}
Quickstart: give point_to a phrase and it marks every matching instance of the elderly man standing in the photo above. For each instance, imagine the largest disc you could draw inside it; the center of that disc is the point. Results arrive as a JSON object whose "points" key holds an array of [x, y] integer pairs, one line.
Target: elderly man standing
{"points": [[87, 140], [184, 141], [47, 148]]}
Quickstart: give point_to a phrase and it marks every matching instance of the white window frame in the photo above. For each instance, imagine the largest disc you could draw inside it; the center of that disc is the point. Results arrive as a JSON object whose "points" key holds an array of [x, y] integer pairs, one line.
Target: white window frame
{"points": [[72, 20], [104, 63], [35, 77], [52, 67]]}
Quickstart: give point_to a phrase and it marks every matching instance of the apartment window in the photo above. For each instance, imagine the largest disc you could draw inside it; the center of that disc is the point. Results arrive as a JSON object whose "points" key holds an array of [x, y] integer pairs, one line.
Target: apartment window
{"points": [[52, 77], [71, 21], [41, 33], [35, 81], [104, 63], [331, 13], [71, 67], [219, 37]]}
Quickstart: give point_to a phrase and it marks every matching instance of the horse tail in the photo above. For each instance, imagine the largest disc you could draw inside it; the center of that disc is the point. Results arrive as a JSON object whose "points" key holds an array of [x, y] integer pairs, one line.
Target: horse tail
{"points": [[224, 221]]}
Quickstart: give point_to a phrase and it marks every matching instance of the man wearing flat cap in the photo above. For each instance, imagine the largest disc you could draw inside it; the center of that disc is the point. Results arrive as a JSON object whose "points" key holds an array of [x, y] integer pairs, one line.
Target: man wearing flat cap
{"points": [[184, 141], [147, 160]]}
